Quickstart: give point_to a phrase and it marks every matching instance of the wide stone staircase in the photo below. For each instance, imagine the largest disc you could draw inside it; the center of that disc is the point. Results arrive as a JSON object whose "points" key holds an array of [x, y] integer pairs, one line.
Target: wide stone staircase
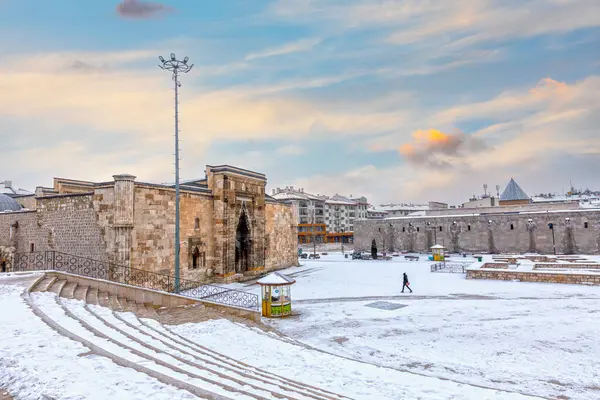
{"points": [[129, 334]]}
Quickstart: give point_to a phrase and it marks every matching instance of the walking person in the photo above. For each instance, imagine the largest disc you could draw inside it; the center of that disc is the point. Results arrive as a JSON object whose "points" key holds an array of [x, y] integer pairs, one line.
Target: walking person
{"points": [[405, 282]]}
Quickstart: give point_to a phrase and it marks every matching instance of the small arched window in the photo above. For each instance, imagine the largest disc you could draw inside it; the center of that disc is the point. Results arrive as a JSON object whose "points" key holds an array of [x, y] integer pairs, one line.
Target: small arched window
{"points": [[586, 225], [468, 227], [417, 229], [197, 223], [403, 229], [32, 247], [512, 227], [441, 229]]}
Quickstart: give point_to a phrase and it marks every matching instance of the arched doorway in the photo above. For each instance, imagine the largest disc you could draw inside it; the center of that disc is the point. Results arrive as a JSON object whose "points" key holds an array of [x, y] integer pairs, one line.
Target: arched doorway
{"points": [[195, 257], [3, 266], [242, 245], [374, 249]]}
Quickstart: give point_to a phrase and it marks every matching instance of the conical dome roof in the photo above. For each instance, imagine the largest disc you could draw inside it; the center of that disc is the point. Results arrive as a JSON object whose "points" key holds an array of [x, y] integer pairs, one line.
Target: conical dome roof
{"points": [[513, 192]]}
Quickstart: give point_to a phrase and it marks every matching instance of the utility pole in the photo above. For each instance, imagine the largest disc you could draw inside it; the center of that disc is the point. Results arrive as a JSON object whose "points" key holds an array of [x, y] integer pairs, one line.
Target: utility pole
{"points": [[176, 67]]}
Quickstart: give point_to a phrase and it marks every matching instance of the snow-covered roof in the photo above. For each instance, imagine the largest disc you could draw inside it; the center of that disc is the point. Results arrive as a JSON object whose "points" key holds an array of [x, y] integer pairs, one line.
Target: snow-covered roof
{"points": [[290, 196], [513, 192], [404, 207], [582, 198], [376, 209], [276, 278], [418, 214], [295, 195], [437, 246], [337, 199]]}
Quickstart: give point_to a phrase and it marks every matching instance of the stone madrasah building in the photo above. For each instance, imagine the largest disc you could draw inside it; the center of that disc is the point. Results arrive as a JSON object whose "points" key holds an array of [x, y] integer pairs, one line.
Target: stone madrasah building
{"points": [[229, 226], [514, 224]]}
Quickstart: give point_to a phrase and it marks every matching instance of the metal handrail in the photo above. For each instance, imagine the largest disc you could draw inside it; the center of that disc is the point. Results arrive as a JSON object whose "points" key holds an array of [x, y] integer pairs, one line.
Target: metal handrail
{"points": [[457, 268], [88, 267]]}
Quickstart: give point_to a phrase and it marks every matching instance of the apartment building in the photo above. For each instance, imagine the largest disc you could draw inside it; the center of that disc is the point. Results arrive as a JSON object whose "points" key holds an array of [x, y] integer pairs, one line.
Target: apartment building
{"points": [[322, 218]]}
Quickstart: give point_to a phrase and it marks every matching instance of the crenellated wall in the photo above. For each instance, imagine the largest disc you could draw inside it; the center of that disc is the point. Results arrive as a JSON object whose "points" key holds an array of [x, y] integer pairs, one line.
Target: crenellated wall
{"points": [[575, 231]]}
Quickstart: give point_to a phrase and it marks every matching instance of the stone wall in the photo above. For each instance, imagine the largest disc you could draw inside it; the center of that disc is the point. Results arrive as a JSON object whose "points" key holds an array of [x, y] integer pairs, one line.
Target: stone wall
{"points": [[153, 246], [27, 202], [62, 223], [133, 223], [239, 221], [506, 233], [281, 236], [103, 200], [569, 278]]}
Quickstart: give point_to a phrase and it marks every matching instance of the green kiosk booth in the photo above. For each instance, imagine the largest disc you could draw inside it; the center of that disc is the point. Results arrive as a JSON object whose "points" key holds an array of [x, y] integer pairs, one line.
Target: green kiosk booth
{"points": [[276, 295]]}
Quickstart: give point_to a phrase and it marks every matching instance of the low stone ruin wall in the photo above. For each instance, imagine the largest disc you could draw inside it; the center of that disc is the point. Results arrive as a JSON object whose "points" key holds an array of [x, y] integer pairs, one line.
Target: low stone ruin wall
{"points": [[496, 265], [565, 266], [503, 275]]}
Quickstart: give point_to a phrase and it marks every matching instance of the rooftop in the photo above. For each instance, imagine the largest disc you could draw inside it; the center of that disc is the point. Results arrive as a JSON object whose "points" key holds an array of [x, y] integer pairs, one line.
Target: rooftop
{"points": [[513, 192], [7, 203], [276, 278]]}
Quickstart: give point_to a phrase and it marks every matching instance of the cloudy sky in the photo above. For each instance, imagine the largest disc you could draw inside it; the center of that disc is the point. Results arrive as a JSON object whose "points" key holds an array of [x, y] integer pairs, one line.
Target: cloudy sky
{"points": [[395, 100]]}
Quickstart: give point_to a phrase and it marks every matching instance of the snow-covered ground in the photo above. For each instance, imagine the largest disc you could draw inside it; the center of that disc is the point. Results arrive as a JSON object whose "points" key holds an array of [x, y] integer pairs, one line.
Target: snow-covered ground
{"points": [[38, 363], [348, 377], [538, 339], [450, 339]]}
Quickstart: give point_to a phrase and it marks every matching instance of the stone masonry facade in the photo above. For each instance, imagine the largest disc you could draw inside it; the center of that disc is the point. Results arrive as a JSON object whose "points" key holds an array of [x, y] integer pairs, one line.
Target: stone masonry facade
{"points": [[574, 231], [229, 228]]}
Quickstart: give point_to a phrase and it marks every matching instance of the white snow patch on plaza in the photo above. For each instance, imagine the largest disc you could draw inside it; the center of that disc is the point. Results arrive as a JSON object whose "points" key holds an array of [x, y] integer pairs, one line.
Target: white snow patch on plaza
{"points": [[452, 339], [351, 378], [534, 338]]}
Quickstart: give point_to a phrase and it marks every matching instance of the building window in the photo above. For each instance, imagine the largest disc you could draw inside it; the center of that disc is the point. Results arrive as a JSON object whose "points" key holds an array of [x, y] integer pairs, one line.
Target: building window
{"points": [[198, 258], [417, 229], [379, 229], [440, 228], [197, 223], [586, 225], [403, 229], [32, 247], [468, 227], [512, 227]]}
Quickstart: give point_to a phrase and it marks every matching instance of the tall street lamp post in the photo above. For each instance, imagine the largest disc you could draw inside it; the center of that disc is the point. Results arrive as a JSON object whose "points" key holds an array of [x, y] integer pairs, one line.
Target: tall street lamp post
{"points": [[176, 67]]}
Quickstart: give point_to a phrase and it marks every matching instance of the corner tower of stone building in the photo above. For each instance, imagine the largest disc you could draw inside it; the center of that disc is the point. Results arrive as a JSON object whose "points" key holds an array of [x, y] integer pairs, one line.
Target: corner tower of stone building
{"points": [[239, 221], [123, 217]]}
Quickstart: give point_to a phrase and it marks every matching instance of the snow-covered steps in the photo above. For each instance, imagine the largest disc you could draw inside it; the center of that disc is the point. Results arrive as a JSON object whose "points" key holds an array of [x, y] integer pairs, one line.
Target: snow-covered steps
{"points": [[70, 289], [49, 307], [171, 343], [125, 337], [125, 331], [155, 328]]}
